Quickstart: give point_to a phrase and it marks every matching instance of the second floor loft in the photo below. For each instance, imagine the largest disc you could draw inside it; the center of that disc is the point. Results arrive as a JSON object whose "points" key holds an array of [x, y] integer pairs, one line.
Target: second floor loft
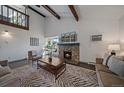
{"points": [[14, 17]]}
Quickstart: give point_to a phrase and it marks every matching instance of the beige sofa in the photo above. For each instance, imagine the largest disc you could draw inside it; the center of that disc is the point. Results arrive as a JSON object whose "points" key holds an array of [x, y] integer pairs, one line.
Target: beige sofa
{"points": [[5, 75], [106, 78]]}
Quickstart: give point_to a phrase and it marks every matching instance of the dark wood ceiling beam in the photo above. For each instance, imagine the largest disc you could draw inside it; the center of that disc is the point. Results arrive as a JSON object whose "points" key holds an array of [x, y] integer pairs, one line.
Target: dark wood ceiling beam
{"points": [[37, 5], [36, 11], [72, 8], [51, 11]]}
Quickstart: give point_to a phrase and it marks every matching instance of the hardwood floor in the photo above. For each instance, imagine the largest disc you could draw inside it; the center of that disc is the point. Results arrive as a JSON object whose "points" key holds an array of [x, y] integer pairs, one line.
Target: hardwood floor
{"points": [[84, 65], [17, 64], [25, 62]]}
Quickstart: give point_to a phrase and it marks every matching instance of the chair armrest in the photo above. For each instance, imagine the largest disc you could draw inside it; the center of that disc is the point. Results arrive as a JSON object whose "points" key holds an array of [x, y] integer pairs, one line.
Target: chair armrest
{"points": [[4, 62], [99, 60]]}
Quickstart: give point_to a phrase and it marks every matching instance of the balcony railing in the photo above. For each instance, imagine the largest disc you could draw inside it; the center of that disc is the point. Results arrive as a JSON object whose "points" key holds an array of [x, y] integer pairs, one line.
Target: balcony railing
{"points": [[12, 17]]}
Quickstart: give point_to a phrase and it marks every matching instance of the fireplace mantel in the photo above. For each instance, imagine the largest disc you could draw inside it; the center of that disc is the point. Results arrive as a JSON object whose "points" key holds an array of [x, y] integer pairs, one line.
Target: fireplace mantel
{"points": [[69, 43]]}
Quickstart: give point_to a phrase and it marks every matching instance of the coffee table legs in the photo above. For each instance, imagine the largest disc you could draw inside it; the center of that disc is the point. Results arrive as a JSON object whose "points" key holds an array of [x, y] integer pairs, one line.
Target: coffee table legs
{"points": [[57, 73]]}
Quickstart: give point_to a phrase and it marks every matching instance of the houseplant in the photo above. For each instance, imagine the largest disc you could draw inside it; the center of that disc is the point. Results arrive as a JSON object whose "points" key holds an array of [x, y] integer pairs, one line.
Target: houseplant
{"points": [[49, 47]]}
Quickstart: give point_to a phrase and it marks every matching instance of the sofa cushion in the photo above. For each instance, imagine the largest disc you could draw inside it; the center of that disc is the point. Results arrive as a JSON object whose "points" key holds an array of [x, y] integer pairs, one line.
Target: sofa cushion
{"points": [[101, 67], [109, 79], [116, 66], [105, 59], [4, 71], [111, 59]]}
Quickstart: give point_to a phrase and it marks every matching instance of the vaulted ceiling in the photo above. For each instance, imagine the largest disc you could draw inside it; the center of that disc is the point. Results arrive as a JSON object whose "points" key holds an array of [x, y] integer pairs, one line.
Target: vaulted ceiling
{"points": [[58, 11], [62, 10], [82, 11]]}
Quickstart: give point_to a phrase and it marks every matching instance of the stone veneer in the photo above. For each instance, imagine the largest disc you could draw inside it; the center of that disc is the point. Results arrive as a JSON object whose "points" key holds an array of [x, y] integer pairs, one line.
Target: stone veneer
{"points": [[74, 48]]}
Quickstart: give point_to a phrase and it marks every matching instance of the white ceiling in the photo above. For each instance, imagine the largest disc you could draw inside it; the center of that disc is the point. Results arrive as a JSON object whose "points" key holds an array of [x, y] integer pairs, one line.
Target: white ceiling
{"points": [[62, 10], [19, 7], [85, 11], [101, 11]]}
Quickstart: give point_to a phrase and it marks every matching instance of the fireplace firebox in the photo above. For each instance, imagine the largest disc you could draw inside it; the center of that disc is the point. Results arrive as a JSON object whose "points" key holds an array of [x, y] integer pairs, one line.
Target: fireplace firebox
{"points": [[70, 52], [67, 55]]}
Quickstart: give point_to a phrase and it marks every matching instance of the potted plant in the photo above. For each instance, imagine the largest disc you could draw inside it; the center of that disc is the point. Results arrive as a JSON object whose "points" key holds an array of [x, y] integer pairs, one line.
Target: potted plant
{"points": [[49, 47]]}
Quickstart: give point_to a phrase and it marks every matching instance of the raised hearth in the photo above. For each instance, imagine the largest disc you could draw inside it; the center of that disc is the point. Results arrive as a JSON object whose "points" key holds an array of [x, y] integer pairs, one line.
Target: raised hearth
{"points": [[70, 52]]}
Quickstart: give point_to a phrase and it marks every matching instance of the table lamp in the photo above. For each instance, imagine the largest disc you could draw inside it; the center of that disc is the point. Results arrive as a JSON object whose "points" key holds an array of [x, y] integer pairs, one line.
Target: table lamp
{"points": [[113, 48]]}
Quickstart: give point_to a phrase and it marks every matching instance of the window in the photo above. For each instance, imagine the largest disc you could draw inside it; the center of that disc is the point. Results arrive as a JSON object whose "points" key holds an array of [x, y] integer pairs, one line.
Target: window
{"points": [[34, 41], [52, 44], [12, 17], [53, 40]]}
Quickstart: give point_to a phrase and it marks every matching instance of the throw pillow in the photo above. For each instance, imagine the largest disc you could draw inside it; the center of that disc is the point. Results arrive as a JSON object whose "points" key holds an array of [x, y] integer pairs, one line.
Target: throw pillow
{"points": [[4, 71], [110, 60], [117, 66], [106, 58]]}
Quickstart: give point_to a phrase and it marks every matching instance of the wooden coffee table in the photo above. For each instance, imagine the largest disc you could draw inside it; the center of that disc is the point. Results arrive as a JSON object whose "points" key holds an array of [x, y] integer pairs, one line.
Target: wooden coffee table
{"points": [[57, 67]]}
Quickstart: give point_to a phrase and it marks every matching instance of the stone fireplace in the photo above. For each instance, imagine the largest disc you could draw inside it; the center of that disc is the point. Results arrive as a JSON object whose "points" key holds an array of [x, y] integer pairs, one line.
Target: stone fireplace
{"points": [[69, 52]]}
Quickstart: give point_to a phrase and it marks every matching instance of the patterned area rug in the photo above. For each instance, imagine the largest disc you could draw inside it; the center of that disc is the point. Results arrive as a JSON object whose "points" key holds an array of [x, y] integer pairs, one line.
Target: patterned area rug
{"points": [[74, 76]]}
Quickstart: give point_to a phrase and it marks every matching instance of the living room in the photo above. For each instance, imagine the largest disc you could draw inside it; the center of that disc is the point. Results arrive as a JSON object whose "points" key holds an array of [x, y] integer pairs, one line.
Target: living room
{"points": [[82, 40]]}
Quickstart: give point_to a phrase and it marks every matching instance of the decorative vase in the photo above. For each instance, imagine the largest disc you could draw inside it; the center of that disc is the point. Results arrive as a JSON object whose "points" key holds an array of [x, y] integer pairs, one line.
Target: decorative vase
{"points": [[50, 56], [50, 59]]}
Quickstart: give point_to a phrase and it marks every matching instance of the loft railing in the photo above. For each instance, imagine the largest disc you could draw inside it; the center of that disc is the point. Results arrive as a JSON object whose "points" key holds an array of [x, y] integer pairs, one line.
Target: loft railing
{"points": [[12, 17]]}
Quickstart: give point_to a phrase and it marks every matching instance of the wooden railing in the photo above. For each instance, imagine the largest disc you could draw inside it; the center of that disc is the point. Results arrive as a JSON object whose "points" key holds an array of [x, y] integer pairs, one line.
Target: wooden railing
{"points": [[12, 17]]}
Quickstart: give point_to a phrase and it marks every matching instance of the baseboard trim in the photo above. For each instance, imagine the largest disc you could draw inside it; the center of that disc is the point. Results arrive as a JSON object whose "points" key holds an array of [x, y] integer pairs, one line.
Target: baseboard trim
{"points": [[18, 60]]}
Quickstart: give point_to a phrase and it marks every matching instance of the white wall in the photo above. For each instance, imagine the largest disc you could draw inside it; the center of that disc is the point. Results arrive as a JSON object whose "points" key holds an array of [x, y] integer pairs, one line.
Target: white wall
{"points": [[16, 46], [121, 31], [93, 20]]}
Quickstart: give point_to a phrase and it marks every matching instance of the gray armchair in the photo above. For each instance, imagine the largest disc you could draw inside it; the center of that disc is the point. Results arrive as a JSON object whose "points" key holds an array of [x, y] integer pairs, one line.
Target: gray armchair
{"points": [[33, 56]]}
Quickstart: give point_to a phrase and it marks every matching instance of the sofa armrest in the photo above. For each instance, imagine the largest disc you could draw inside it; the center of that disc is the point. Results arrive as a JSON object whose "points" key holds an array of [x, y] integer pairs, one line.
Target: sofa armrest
{"points": [[4, 62], [99, 60]]}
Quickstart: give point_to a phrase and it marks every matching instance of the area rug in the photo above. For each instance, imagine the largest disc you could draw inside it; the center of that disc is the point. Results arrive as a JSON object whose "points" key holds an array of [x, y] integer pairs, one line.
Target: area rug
{"points": [[74, 76]]}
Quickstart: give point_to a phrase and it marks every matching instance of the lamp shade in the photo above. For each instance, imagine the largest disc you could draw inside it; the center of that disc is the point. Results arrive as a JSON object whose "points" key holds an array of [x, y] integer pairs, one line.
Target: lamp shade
{"points": [[114, 47]]}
